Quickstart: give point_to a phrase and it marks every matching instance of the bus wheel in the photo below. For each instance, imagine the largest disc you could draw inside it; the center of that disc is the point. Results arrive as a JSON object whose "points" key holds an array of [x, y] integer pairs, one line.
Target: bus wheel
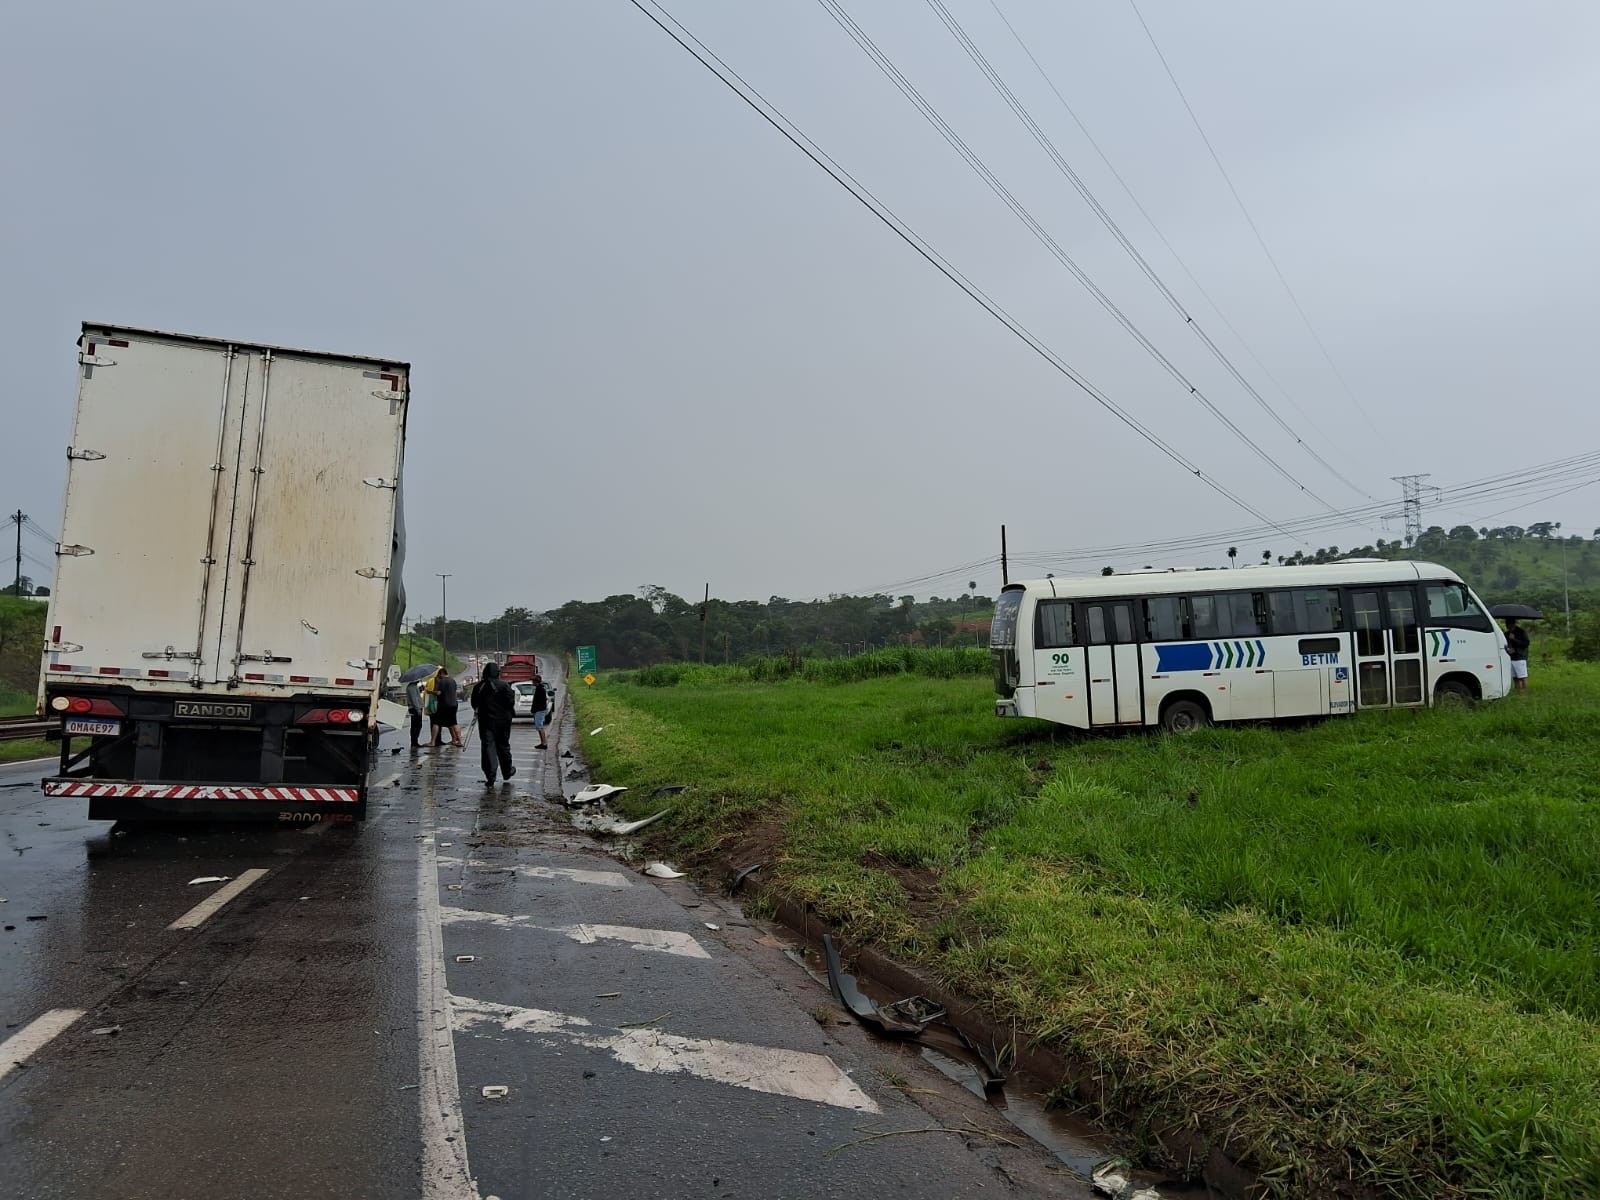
{"points": [[1184, 716], [1452, 693]]}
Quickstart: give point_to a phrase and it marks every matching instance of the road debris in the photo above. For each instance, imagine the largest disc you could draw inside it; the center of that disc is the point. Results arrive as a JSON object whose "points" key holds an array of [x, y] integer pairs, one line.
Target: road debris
{"points": [[605, 822], [596, 731], [496, 1091], [670, 789], [848, 994], [210, 879], [106, 1031], [743, 875], [712, 925], [608, 995], [464, 958], [595, 793], [657, 869]]}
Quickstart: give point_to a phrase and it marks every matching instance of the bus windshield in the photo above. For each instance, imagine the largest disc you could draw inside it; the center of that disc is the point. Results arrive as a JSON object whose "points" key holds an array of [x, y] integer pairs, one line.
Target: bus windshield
{"points": [[1003, 630]]}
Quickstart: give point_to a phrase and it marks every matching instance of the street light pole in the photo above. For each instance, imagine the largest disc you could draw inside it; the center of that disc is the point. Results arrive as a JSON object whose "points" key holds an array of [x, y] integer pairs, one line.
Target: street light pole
{"points": [[444, 618]]}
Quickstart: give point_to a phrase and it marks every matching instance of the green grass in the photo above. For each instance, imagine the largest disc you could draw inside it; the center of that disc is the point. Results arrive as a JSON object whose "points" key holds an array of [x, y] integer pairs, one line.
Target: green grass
{"points": [[30, 748], [1363, 952], [14, 702]]}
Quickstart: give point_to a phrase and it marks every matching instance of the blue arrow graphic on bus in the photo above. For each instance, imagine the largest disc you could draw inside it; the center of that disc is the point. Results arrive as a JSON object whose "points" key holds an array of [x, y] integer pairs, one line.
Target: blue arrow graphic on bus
{"points": [[1439, 640], [1186, 656]]}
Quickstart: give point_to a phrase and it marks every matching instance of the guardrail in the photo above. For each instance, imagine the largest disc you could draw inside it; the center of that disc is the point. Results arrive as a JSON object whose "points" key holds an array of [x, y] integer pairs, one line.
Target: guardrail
{"points": [[16, 729]]}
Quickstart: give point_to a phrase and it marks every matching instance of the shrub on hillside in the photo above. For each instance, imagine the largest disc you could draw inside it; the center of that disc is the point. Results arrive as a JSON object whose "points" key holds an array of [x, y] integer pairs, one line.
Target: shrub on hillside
{"points": [[1586, 637]]}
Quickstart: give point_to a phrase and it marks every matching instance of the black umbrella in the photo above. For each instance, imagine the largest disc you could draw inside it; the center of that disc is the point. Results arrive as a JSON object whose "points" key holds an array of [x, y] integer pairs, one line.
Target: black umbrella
{"points": [[420, 671], [1517, 612]]}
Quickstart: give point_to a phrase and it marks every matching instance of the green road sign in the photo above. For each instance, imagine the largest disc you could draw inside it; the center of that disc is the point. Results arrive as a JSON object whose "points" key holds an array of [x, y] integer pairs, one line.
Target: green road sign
{"points": [[586, 661]]}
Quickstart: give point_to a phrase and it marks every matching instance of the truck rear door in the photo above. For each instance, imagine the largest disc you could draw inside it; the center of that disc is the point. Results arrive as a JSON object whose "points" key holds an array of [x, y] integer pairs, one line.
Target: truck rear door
{"points": [[306, 590], [135, 561]]}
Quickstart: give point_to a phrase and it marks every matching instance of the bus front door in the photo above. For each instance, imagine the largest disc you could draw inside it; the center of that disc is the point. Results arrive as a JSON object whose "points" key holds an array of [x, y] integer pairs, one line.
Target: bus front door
{"points": [[1113, 663], [1388, 648]]}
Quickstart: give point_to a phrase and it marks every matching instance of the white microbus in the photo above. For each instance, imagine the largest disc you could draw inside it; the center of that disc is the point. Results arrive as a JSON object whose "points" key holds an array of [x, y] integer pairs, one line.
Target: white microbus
{"points": [[1181, 649]]}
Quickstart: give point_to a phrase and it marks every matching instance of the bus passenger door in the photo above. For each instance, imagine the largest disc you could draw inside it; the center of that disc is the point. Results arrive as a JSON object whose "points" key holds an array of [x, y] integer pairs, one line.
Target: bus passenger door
{"points": [[1388, 648], [1060, 677], [1113, 661]]}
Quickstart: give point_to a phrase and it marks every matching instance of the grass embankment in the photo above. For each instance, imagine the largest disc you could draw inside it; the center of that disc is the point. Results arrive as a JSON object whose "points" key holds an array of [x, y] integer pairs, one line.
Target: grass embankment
{"points": [[414, 648], [1361, 954], [30, 748]]}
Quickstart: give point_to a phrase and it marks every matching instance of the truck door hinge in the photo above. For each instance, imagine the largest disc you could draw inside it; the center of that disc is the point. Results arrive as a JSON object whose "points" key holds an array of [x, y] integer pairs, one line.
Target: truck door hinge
{"points": [[170, 653], [85, 455], [268, 657], [96, 360], [362, 664], [378, 481], [373, 572], [72, 551], [63, 647]]}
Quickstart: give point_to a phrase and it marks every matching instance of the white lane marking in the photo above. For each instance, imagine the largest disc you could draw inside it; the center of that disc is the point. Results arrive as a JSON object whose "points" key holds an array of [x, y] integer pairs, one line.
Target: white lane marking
{"points": [[614, 879], [446, 1174], [795, 1073], [32, 1037], [200, 913], [668, 941]]}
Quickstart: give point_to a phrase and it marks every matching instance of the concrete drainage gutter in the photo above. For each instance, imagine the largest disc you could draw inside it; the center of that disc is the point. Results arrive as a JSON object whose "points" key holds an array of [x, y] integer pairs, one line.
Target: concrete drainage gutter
{"points": [[1191, 1152]]}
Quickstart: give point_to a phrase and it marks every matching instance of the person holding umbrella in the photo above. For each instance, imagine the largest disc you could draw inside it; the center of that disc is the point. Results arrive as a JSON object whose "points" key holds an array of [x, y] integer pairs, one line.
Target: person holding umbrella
{"points": [[416, 702], [1517, 652], [1517, 639]]}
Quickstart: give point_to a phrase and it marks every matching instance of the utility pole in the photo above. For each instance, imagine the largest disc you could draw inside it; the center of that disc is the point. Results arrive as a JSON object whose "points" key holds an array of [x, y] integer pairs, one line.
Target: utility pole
{"points": [[18, 518], [705, 607], [444, 618], [1005, 576]]}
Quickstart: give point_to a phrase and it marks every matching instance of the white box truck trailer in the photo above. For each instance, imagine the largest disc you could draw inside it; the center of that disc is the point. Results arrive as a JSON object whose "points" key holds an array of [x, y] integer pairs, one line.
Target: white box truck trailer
{"points": [[227, 593]]}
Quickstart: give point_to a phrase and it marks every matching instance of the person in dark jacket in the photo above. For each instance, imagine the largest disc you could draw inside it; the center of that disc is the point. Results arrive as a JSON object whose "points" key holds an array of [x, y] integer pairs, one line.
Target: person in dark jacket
{"points": [[542, 707], [495, 703], [448, 694]]}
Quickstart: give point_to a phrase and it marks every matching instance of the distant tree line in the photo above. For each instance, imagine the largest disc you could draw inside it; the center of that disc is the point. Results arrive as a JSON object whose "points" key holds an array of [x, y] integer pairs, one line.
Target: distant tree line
{"points": [[655, 626]]}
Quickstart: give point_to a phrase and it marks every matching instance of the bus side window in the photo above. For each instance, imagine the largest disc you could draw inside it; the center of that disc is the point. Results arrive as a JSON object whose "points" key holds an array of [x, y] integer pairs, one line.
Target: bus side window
{"points": [[1450, 606], [1249, 613], [1055, 624], [1280, 607], [1318, 610], [1164, 619], [1096, 620], [1211, 616]]}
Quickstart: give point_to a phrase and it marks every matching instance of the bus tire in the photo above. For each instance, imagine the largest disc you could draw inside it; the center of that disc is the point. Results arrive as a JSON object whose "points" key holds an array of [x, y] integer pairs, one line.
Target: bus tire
{"points": [[1184, 716], [1453, 693]]}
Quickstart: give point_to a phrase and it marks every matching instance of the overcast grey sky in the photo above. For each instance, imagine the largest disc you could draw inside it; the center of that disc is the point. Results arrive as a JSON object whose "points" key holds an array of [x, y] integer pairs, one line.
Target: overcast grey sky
{"points": [[653, 343]]}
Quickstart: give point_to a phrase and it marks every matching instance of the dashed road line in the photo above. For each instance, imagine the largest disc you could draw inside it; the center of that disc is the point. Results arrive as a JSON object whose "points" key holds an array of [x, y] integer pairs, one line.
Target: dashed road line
{"points": [[34, 1036], [200, 913], [797, 1073]]}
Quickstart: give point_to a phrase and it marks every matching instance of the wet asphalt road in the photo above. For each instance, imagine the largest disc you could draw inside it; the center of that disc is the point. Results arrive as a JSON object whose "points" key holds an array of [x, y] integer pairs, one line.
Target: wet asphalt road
{"points": [[331, 1030]]}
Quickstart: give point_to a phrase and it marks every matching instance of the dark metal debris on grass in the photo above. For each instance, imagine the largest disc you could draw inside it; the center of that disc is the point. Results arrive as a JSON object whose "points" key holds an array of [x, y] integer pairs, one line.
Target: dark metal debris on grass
{"points": [[743, 875], [670, 789], [596, 792]]}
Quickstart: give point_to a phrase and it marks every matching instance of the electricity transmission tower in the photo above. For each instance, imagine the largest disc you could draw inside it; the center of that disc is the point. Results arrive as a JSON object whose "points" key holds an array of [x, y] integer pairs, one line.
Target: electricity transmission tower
{"points": [[1411, 493]]}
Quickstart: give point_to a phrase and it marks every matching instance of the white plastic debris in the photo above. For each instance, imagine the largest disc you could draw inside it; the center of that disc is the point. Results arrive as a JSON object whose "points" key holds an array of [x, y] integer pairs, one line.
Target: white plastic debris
{"points": [[711, 925], [596, 730], [595, 793], [106, 1031], [607, 1138], [210, 879], [466, 958], [660, 870], [496, 1091]]}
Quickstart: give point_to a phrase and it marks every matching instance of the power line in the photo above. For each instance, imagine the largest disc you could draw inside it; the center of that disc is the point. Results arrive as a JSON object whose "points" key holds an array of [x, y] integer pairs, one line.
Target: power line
{"points": [[1151, 221], [981, 61], [774, 117], [931, 114], [1249, 220]]}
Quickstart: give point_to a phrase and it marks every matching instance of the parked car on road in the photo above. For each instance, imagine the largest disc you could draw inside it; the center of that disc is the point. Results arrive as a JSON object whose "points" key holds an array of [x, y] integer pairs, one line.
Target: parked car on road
{"points": [[522, 706]]}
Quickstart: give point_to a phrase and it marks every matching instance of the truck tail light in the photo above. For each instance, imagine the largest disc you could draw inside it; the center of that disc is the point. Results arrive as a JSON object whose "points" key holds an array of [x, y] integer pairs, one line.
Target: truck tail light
{"points": [[331, 716], [78, 705]]}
